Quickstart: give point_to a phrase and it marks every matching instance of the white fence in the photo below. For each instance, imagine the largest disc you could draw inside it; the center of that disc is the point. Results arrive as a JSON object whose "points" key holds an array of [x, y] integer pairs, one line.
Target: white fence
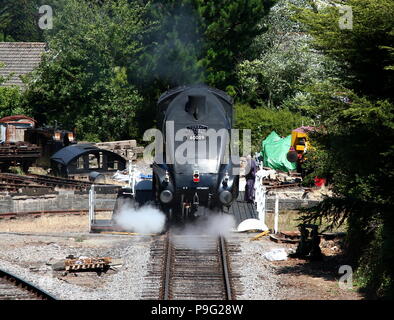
{"points": [[261, 198]]}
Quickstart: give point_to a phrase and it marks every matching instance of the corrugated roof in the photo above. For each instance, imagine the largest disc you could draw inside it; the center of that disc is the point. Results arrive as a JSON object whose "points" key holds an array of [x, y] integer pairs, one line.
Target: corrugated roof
{"points": [[67, 154], [70, 153], [16, 118], [19, 58]]}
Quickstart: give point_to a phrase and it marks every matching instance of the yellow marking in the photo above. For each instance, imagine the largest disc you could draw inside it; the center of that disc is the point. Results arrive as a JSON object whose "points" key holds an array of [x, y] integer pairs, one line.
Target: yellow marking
{"points": [[130, 233], [260, 235]]}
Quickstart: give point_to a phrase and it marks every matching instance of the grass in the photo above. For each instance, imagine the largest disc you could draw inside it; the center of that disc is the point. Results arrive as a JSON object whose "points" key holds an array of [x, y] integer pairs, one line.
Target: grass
{"points": [[52, 223], [288, 221], [79, 223]]}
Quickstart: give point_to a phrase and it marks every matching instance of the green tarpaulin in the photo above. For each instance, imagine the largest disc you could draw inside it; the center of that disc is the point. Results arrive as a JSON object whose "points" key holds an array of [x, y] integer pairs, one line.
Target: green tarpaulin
{"points": [[275, 151]]}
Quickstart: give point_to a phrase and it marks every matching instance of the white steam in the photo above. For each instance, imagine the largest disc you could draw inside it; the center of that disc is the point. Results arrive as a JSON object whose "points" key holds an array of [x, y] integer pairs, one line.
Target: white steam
{"points": [[145, 219], [212, 226]]}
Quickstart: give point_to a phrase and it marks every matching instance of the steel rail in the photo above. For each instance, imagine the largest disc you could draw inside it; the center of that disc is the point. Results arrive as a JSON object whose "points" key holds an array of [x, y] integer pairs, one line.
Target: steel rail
{"points": [[225, 265], [167, 268], [26, 285], [169, 264]]}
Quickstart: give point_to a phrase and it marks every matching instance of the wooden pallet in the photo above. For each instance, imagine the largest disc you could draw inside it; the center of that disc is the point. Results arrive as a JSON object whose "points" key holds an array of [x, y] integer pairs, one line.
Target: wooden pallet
{"points": [[87, 263]]}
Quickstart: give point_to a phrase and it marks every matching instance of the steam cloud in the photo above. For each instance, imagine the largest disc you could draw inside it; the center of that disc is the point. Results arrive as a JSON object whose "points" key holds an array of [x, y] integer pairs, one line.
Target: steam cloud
{"points": [[145, 219], [213, 225]]}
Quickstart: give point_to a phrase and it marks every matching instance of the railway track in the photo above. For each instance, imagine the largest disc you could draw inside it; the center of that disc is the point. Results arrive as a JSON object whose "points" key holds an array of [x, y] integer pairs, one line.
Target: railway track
{"points": [[192, 267], [15, 288], [14, 182], [14, 215]]}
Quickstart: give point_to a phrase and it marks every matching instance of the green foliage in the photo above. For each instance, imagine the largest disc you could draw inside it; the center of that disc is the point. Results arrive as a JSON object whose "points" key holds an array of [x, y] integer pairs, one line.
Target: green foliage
{"points": [[84, 80], [355, 152], [374, 274], [278, 75], [19, 20], [11, 102], [158, 46], [355, 141], [202, 41], [173, 44], [285, 62], [229, 28], [264, 120], [365, 51]]}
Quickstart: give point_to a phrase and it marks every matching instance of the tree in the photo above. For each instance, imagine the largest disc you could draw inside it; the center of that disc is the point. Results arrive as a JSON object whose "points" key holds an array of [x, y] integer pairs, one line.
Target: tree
{"points": [[203, 41], [355, 140], [11, 99], [19, 20], [364, 51], [195, 41], [83, 81], [174, 44], [229, 28], [264, 120], [285, 62], [12, 102]]}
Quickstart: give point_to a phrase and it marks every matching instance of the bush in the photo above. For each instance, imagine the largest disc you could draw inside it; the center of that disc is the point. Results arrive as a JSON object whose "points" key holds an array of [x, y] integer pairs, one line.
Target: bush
{"points": [[11, 102], [263, 120]]}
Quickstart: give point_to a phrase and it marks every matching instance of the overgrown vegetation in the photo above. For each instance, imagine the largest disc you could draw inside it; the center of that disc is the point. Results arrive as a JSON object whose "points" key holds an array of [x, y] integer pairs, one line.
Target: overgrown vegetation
{"points": [[263, 120]]}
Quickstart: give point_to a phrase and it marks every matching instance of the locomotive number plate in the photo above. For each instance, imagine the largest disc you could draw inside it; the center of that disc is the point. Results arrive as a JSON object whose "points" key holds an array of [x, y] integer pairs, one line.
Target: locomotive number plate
{"points": [[197, 137], [198, 132]]}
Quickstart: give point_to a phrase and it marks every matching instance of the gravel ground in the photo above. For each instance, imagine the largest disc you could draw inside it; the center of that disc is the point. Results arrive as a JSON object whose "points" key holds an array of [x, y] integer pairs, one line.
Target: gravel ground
{"points": [[30, 257], [258, 278]]}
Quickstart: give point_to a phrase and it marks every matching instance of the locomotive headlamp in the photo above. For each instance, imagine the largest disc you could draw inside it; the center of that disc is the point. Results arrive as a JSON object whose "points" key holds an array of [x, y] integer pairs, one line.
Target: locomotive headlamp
{"points": [[167, 177], [196, 176], [166, 196], [226, 178], [225, 197]]}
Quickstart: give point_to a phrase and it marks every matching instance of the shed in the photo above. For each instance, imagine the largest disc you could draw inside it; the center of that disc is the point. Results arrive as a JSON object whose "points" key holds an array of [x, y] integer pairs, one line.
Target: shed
{"points": [[12, 128], [85, 158]]}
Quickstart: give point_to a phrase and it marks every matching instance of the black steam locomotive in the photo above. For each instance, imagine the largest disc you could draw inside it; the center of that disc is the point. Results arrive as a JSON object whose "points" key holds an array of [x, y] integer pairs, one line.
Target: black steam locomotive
{"points": [[195, 170]]}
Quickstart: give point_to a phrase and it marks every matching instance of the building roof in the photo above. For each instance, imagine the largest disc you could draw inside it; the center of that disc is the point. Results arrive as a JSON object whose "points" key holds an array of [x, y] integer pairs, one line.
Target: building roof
{"points": [[68, 154], [19, 58], [16, 118]]}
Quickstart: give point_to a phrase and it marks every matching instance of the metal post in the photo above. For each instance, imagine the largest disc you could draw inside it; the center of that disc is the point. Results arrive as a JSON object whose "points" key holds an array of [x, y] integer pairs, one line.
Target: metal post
{"points": [[276, 219], [260, 198], [132, 178], [91, 206]]}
